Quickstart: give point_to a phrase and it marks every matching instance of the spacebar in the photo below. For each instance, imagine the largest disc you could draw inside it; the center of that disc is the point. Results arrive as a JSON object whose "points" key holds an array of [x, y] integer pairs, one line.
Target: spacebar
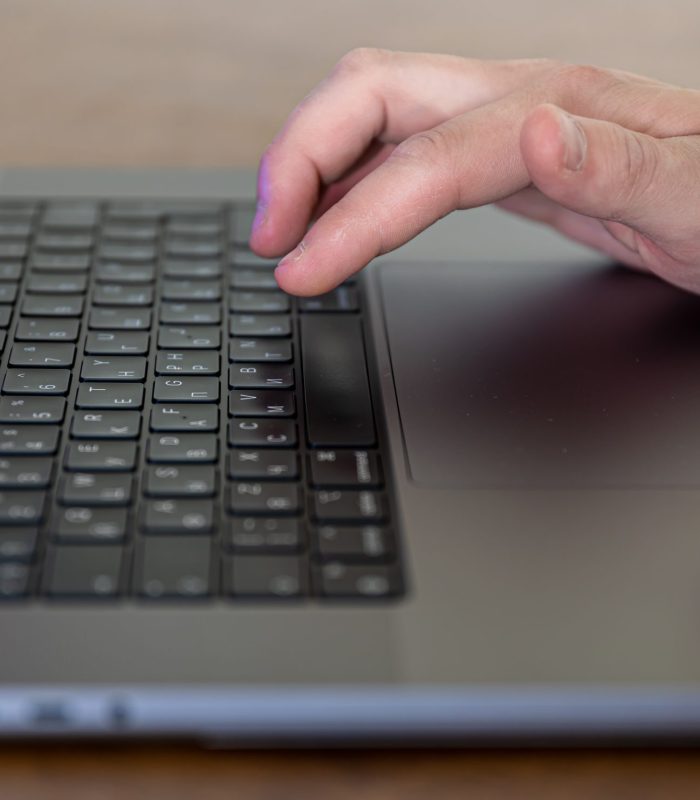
{"points": [[336, 388]]}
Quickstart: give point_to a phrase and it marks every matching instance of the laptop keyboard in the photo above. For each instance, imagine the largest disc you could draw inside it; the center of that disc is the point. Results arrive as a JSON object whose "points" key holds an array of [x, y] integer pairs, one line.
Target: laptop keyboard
{"points": [[172, 425]]}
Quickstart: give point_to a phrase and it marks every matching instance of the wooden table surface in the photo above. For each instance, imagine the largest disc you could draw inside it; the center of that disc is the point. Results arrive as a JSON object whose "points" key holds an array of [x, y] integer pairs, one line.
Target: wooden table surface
{"points": [[159, 82]]}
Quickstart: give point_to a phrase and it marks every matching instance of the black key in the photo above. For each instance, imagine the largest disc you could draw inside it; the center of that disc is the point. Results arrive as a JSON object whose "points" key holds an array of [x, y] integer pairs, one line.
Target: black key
{"points": [[95, 489], [189, 338], [14, 581], [70, 216], [46, 354], [265, 535], [11, 270], [336, 579], [354, 543], [21, 508], [345, 468], [266, 577], [18, 544], [63, 262], [261, 403], [38, 329], [130, 233], [347, 505], [336, 387], [113, 368], [168, 448], [261, 376], [186, 390], [36, 381], [49, 283], [110, 395], [177, 516], [344, 298], [185, 417], [5, 316], [93, 572], [12, 249], [82, 524], [262, 350], [260, 325], [188, 362], [8, 292], [118, 294], [262, 433], [119, 319], [174, 568], [32, 409], [241, 224], [111, 343], [263, 465], [187, 248], [128, 253], [190, 290], [102, 456], [127, 274], [254, 279], [106, 425], [190, 313], [46, 305], [27, 440], [180, 481], [64, 242], [25, 473], [184, 268], [259, 302], [267, 499]]}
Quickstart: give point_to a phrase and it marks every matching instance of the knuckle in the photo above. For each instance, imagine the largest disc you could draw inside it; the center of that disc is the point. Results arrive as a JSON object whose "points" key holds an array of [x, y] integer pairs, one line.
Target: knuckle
{"points": [[576, 78], [434, 146], [360, 59], [637, 176]]}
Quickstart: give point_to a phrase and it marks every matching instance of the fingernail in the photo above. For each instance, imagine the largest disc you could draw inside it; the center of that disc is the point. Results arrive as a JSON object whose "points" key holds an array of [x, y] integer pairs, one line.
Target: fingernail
{"points": [[575, 143]]}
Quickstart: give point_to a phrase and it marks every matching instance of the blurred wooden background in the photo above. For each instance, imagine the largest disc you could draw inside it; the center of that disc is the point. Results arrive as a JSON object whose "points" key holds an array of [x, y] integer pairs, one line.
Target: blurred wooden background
{"points": [[207, 83]]}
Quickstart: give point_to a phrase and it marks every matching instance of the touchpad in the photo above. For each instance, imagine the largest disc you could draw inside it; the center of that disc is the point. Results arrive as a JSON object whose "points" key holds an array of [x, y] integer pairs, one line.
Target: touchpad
{"points": [[530, 375]]}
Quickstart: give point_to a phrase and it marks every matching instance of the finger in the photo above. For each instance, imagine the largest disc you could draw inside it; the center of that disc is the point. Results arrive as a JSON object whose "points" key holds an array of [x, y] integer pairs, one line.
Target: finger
{"points": [[647, 190], [371, 95]]}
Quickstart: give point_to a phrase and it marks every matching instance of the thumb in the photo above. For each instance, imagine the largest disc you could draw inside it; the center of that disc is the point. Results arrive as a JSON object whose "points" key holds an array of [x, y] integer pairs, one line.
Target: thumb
{"points": [[603, 170]]}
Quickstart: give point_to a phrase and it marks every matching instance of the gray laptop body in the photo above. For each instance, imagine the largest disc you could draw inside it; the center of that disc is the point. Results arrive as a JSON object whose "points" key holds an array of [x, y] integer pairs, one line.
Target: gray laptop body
{"points": [[538, 409]]}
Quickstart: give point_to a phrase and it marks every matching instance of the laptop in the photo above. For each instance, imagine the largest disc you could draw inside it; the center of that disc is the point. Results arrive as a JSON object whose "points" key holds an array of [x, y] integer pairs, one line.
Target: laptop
{"points": [[455, 499]]}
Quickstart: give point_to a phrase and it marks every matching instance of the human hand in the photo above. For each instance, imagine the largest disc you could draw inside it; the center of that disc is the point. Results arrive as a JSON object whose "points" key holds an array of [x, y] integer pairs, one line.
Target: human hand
{"points": [[392, 142]]}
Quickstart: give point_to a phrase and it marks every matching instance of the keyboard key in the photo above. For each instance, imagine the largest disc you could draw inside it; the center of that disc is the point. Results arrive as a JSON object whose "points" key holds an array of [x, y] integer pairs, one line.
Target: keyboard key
{"points": [[11, 270], [259, 302], [266, 577], [184, 268], [168, 448], [64, 242], [113, 368], [336, 579], [36, 381], [185, 417], [118, 294], [347, 505], [49, 283], [95, 489], [265, 535], [102, 456], [106, 425], [25, 473], [21, 508], [188, 338], [242, 257], [345, 468], [5, 316], [85, 525], [260, 325], [32, 409], [180, 481], [188, 362], [119, 319], [241, 223], [354, 543], [110, 343], [187, 248], [14, 581], [177, 516], [255, 279], [91, 571], [9, 250], [130, 233], [127, 274], [64, 262], [38, 329], [261, 403], [46, 305], [193, 228], [175, 568], [129, 253], [27, 440], [344, 298], [18, 544], [190, 290], [260, 376], [263, 465], [255, 433], [8, 292], [15, 230], [264, 498], [263, 350], [64, 216], [110, 395], [186, 390], [46, 354], [190, 313]]}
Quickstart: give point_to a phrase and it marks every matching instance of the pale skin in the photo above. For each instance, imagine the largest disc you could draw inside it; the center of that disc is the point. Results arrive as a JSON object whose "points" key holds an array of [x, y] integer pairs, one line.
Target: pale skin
{"points": [[391, 142]]}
